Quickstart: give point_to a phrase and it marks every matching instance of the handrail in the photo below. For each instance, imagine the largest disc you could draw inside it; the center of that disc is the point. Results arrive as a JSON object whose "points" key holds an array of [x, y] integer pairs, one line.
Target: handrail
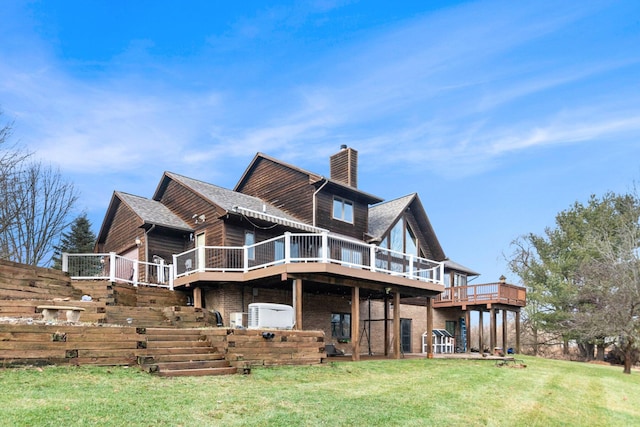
{"points": [[116, 268], [285, 249], [307, 248], [483, 293]]}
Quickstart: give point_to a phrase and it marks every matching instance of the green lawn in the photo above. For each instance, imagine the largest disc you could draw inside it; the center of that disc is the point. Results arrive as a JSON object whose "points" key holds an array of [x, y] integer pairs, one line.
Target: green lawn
{"points": [[408, 392]]}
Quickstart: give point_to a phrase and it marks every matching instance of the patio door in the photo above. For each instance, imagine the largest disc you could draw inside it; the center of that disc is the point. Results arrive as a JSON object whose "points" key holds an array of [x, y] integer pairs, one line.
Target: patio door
{"points": [[405, 335], [200, 243]]}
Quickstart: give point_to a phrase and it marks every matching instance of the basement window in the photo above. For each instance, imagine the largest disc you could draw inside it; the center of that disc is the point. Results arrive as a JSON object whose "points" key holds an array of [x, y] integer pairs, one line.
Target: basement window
{"points": [[343, 209], [341, 326]]}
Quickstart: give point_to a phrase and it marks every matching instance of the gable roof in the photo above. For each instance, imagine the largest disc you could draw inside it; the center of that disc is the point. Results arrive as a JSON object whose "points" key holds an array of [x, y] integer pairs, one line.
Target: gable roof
{"points": [[384, 215], [233, 202], [314, 178], [224, 198], [148, 211], [153, 212]]}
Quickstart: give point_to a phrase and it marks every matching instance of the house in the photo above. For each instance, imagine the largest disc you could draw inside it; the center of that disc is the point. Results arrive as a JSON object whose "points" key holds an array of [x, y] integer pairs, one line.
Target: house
{"points": [[370, 273]]}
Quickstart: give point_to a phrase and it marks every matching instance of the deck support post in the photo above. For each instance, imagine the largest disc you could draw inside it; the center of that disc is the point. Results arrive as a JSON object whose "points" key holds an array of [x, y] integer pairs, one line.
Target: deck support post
{"points": [[197, 297], [518, 331], [396, 325], [297, 302], [429, 327], [504, 331], [355, 323], [481, 331], [492, 329], [467, 321], [386, 325]]}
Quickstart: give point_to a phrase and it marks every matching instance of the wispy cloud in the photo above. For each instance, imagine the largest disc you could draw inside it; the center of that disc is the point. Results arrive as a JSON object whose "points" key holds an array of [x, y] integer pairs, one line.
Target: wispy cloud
{"points": [[429, 87]]}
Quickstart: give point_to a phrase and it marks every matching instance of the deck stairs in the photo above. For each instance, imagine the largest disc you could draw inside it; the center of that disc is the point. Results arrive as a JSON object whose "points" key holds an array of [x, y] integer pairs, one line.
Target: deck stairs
{"points": [[179, 352]]}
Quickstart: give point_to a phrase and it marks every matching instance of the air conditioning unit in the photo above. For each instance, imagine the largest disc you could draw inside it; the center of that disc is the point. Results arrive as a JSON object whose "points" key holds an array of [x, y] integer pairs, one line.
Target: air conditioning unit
{"points": [[269, 315], [236, 320]]}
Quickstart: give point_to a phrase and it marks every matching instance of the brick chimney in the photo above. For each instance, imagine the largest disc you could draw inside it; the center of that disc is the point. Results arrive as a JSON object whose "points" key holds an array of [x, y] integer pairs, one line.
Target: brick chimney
{"points": [[344, 166]]}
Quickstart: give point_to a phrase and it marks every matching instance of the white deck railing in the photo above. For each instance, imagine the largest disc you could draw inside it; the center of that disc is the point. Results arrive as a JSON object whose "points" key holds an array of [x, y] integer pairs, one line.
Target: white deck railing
{"points": [[307, 248], [285, 249], [116, 268]]}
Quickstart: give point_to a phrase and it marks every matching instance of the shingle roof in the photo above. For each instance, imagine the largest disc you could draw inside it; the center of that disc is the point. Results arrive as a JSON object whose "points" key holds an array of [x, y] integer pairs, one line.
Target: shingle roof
{"points": [[370, 198], [452, 265], [152, 212], [382, 215], [228, 199]]}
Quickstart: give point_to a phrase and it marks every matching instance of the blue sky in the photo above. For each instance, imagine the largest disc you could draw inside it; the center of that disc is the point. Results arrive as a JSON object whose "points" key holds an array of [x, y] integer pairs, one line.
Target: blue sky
{"points": [[498, 114]]}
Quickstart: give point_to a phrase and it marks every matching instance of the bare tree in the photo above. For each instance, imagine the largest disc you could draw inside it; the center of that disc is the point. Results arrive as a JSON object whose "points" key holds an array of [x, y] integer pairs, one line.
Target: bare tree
{"points": [[10, 159], [611, 290], [43, 202]]}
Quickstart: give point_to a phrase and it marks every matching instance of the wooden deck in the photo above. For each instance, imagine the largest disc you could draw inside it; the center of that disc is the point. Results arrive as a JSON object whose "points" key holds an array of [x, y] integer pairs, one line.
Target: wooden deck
{"points": [[321, 272], [482, 295]]}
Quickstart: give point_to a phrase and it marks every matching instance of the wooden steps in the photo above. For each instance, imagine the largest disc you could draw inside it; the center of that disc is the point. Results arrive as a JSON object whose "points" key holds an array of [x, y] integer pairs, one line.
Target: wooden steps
{"points": [[139, 316], [19, 281], [176, 352], [186, 317]]}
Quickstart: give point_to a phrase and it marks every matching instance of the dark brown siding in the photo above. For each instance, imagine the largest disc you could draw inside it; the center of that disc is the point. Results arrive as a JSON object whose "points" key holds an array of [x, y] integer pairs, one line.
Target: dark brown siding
{"points": [[165, 244], [344, 166], [123, 231], [283, 187], [185, 203], [324, 218]]}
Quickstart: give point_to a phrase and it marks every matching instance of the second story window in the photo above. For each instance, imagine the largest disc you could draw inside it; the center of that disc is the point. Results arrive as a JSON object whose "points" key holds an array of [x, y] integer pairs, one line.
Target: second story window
{"points": [[343, 209]]}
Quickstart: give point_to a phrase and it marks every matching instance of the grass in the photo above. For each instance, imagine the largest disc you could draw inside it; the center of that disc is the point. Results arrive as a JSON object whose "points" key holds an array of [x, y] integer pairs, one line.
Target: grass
{"points": [[412, 392]]}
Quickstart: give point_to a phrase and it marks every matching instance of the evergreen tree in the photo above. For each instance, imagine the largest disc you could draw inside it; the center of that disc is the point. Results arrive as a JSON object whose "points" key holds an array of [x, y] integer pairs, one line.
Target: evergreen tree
{"points": [[583, 276], [79, 240]]}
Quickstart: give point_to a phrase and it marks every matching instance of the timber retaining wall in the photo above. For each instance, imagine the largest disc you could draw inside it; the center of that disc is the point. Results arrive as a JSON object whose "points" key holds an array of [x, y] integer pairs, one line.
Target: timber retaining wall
{"points": [[63, 344]]}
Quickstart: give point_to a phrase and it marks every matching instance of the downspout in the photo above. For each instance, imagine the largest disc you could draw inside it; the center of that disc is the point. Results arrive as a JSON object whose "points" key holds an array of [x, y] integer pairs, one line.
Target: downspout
{"points": [[146, 252], [326, 181]]}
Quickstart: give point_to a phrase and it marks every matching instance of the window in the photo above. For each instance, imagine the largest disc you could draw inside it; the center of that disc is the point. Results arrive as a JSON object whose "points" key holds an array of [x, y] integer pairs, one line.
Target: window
{"points": [[403, 239], [447, 280], [250, 240], [459, 279], [396, 237], [351, 256], [341, 326], [410, 242], [343, 209], [279, 250]]}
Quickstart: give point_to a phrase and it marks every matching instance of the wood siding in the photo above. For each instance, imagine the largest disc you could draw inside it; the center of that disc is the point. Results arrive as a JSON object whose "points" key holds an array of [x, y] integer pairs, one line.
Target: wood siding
{"points": [[324, 216], [184, 203], [292, 191], [165, 243], [344, 166], [123, 231], [283, 187]]}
